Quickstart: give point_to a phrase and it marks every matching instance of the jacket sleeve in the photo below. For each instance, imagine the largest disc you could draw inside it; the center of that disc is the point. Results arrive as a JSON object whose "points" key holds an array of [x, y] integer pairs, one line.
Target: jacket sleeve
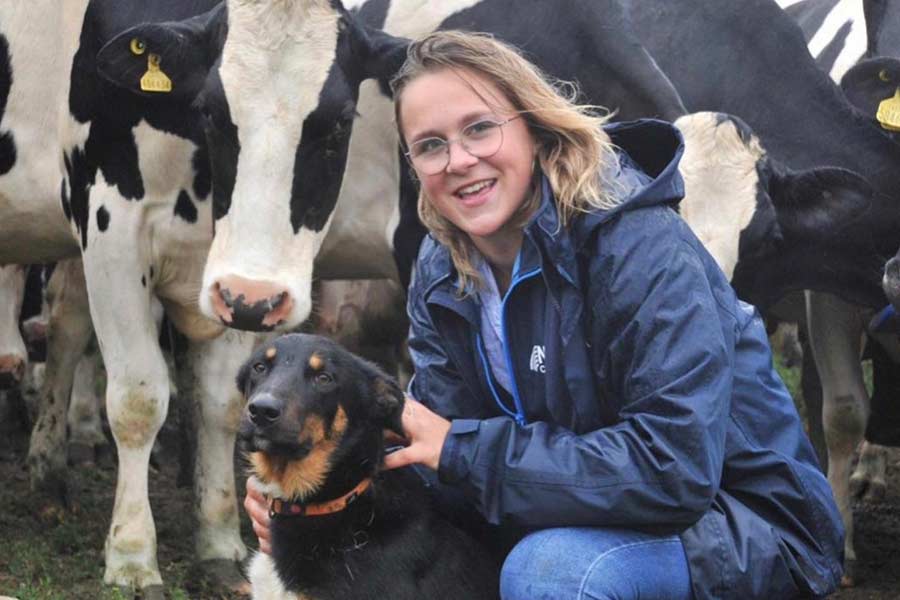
{"points": [[668, 368]]}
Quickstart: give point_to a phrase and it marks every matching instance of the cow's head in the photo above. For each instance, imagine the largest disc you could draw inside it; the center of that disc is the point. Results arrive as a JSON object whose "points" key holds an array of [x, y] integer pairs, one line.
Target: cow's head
{"points": [[277, 85], [774, 230], [873, 86]]}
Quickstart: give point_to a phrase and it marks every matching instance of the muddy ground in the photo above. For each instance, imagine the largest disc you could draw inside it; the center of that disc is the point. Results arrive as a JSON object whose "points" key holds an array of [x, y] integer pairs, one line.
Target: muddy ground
{"points": [[44, 557]]}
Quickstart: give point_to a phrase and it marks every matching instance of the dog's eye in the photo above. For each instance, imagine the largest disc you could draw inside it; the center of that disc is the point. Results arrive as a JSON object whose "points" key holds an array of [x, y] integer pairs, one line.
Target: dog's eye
{"points": [[323, 378], [259, 367]]}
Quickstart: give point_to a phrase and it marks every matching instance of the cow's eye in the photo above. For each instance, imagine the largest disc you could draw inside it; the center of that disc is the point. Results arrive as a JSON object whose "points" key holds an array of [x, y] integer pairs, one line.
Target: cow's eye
{"points": [[259, 367], [324, 378]]}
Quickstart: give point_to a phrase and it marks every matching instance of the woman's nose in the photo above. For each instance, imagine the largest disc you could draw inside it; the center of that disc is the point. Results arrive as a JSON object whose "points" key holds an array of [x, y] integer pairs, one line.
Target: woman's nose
{"points": [[459, 159]]}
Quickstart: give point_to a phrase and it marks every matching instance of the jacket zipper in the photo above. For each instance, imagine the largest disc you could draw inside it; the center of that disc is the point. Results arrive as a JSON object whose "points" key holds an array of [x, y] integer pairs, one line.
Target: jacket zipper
{"points": [[489, 375], [517, 279]]}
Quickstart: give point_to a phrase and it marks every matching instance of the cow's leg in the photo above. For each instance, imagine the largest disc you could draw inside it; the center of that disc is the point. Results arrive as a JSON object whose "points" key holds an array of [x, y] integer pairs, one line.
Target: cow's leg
{"points": [[13, 354], [69, 332], [85, 410], [811, 386], [137, 394], [217, 411], [868, 480], [834, 334]]}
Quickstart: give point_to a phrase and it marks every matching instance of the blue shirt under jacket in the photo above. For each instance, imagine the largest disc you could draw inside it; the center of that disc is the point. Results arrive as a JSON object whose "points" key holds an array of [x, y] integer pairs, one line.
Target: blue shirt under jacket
{"points": [[643, 393]]}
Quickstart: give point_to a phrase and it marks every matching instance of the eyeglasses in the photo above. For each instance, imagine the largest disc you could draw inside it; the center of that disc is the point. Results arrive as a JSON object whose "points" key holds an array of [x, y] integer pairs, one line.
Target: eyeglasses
{"points": [[481, 139]]}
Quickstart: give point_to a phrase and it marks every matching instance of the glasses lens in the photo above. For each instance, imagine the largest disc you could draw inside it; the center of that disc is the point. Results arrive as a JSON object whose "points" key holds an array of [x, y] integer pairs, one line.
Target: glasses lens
{"points": [[429, 156], [483, 138]]}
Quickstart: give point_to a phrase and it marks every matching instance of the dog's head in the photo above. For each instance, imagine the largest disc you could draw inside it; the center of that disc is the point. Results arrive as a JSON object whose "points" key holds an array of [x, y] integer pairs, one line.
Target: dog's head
{"points": [[313, 407]]}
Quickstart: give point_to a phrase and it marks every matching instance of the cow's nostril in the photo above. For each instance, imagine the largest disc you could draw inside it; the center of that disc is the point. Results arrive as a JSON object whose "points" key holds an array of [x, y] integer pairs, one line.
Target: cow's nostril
{"points": [[224, 294]]}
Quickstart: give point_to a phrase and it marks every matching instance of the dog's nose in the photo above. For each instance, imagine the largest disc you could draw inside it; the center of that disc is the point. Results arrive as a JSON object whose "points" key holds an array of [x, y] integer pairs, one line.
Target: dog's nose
{"points": [[264, 409]]}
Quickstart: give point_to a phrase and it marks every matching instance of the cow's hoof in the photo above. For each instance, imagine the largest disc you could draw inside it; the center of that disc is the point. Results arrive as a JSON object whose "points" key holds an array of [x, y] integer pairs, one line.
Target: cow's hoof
{"points": [[53, 488], [225, 574], [875, 492], [81, 454], [850, 578], [867, 489], [105, 456], [153, 592]]}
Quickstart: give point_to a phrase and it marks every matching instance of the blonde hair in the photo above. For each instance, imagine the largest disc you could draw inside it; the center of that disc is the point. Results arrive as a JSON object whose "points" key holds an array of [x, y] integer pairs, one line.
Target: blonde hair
{"points": [[573, 151]]}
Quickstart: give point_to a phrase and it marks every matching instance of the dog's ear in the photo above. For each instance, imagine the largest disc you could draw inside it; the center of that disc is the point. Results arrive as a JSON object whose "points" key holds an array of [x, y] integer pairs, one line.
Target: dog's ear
{"points": [[388, 403]]}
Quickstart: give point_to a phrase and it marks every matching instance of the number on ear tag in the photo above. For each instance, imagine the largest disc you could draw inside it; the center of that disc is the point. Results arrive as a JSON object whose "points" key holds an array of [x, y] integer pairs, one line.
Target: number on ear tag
{"points": [[889, 112], [154, 80]]}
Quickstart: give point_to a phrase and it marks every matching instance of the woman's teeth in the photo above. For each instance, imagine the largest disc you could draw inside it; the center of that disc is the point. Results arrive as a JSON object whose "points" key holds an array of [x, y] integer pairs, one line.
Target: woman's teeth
{"points": [[475, 188]]}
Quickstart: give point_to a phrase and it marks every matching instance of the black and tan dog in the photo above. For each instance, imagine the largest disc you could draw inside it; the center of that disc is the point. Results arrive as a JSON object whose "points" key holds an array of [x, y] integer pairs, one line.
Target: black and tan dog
{"points": [[341, 529]]}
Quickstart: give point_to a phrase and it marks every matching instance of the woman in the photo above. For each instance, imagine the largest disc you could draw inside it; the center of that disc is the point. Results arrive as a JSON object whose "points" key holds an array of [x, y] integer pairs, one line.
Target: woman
{"points": [[585, 371]]}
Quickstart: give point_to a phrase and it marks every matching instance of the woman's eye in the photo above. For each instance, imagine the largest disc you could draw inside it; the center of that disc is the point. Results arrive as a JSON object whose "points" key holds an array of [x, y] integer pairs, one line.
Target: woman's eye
{"points": [[479, 129], [429, 146]]}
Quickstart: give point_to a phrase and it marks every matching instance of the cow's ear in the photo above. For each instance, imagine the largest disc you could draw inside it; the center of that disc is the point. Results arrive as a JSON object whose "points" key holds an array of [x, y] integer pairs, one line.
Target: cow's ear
{"points": [[820, 202], [870, 82], [169, 59], [387, 407], [374, 54], [386, 54]]}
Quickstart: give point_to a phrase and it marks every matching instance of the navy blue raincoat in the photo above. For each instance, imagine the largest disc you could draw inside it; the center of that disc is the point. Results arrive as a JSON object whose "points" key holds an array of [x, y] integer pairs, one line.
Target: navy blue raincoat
{"points": [[644, 393]]}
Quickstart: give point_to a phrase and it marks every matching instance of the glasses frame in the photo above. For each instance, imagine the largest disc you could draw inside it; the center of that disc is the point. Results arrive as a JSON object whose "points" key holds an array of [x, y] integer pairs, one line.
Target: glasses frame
{"points": [[458, 139]]}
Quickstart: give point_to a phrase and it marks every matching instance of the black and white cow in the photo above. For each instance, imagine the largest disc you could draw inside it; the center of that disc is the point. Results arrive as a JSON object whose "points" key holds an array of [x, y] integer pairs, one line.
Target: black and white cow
{"points": [[124, 182], [804, 120], [871, 85]]}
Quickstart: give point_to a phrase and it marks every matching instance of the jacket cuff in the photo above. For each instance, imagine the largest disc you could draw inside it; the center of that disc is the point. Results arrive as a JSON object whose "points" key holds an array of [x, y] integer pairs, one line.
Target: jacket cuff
{"points": [[454, 463]]}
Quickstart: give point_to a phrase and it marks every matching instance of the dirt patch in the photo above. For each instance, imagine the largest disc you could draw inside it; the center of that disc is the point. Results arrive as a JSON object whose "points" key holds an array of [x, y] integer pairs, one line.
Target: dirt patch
{"points": [[52, 555], [59, 556], [878, 541]]}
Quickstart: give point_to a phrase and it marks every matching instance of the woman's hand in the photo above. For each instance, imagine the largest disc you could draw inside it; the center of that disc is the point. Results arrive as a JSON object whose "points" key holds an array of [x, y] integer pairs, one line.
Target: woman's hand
{"points": [[256, 506], [425, 433]]}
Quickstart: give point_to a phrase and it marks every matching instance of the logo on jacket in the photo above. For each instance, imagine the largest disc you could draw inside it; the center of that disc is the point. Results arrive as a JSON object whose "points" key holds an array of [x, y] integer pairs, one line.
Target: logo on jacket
{"points": [[537, 359]]}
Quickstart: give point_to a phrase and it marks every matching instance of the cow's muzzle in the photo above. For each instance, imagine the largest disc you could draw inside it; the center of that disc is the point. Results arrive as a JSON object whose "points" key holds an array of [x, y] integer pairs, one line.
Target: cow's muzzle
{"points": [[250, 305]]}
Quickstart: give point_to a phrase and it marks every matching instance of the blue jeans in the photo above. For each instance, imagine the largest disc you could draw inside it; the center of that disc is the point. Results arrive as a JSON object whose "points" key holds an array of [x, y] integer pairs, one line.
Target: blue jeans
{"points": [[598, 564]]}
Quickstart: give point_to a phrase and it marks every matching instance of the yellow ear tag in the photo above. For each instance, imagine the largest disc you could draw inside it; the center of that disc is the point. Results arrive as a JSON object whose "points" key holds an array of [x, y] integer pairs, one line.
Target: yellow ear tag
{"points": [[889, 112], [154, 80]]}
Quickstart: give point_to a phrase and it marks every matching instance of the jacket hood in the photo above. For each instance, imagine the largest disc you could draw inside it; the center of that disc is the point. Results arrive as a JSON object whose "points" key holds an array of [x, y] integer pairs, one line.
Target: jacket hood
{"points": [[649, 153]]}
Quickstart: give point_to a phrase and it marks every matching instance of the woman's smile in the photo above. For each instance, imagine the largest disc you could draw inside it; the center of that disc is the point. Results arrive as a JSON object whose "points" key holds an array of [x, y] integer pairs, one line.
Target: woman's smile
{"points": [[476, 194]]}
